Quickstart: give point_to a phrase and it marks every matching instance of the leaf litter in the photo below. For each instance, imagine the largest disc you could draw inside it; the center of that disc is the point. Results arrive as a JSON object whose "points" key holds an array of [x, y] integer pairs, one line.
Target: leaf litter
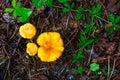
{"points": [[16, 65]]}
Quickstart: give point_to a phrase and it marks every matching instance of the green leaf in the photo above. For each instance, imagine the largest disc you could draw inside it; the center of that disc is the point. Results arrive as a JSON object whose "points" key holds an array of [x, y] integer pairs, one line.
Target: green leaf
{"points": [[94, 66], [89, 28], [67, 5], [82, 38], [98, 8], [111, 18], [38, 3], [111, 29], [72, 5], [8, 10], [117, 20], [77, 58], [14, 13], [80, 70], [86, 43], [74, 56], [49, 3], [80, 10], [80, 55], [66, 10], [24, 14], [89, 25], [78, 17], [62, 1], [99, 73], [23, 19], [18, 5], [80, 52], [74, 61], [89, 41], [14, 3]]}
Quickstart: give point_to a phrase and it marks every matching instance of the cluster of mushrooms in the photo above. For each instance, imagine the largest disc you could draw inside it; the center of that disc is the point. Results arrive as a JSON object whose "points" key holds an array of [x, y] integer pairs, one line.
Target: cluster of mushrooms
{"points": [[50, 43]]}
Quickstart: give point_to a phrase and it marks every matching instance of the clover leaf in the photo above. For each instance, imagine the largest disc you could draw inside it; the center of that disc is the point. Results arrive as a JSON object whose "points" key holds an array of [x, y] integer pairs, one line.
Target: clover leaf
{"points": [[94, 66]]}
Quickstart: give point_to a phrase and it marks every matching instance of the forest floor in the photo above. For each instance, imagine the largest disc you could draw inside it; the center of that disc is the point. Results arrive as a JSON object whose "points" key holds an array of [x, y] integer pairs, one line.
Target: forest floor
{"points": [[99, 20]]}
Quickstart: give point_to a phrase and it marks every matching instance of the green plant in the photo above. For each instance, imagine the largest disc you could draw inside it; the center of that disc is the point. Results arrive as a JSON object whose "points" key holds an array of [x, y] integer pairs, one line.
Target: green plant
{"points": [[113, 24], [67, 6], [113, 19], [79, 12], [85, 42], [94, 66], [99, 73], [41, 3], [80, 70], [85, 39], [19, 11], [77, 58], [96, 11]]}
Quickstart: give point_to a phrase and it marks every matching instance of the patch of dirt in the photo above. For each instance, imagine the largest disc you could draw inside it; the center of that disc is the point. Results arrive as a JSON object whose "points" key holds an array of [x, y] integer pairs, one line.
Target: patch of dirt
{"points": [[15, 64]]}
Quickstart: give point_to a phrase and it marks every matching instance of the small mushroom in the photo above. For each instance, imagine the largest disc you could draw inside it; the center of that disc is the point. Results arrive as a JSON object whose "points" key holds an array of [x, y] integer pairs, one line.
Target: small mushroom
{"points": [[32, 49], [51, 46], [27, 31]]}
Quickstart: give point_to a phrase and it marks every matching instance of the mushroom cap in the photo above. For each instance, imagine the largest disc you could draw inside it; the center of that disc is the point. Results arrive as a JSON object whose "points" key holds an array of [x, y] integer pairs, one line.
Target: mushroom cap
{"points": [[27, 31], [51, 46], [32, 49]]}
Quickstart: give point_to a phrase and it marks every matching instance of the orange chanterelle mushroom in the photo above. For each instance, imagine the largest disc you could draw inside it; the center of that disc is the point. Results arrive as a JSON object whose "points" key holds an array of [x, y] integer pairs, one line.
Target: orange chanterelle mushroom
{"points": [[27, 31], [51, 46], [32, 49]]}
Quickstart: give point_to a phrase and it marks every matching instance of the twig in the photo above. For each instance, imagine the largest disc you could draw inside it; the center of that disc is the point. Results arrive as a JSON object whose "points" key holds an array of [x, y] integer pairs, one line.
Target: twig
{"points": [[102, 19], [13, 33], [9, 61], [7, 70], [19, 39], [108, 68], [90, 55], [113, 68], [67, 22], [72, 37]]}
